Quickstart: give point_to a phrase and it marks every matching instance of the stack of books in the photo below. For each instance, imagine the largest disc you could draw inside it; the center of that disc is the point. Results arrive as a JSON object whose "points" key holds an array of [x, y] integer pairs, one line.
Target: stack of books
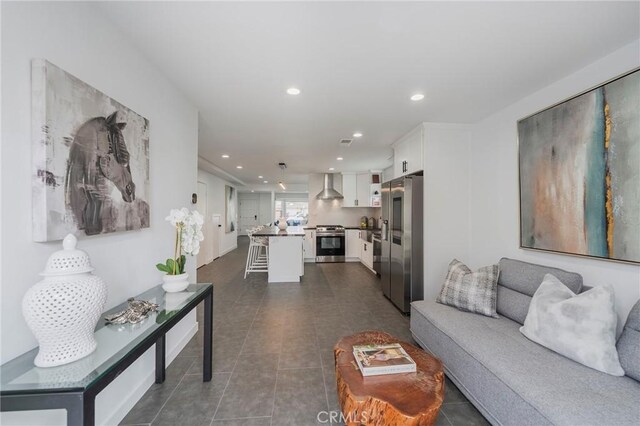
{"points": [[375, 360]]}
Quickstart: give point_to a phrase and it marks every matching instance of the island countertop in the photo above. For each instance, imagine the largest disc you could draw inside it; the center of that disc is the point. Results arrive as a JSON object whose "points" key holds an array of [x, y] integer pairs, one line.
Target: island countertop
{"points": [[274, 231]]}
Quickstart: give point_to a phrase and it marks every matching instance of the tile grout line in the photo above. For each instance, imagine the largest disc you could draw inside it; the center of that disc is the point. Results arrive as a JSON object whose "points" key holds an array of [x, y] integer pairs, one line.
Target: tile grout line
{"points": [[275, 390], [238, 358], [324, 382], [446, 417], [172, 392]]}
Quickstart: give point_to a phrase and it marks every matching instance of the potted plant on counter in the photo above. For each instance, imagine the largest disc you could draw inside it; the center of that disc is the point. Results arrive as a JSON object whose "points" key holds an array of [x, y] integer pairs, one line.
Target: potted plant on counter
{"points": [[188, 226]]}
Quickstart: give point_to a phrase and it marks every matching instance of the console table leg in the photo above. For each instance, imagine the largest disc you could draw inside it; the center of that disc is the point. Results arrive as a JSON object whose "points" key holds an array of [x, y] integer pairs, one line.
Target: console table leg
{"points": [[161, 344], [74, 413], [89, 410], [207, 357], [81, 410]]}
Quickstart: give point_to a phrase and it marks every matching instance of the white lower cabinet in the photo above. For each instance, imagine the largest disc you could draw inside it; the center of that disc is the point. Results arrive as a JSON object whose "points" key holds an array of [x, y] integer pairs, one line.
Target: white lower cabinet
{"points": [[352, 245], [367, 254], [309, 245]]}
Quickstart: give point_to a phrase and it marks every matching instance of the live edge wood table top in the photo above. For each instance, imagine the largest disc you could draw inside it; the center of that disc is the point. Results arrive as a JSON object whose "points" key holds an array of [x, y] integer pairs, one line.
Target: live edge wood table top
{"points": [[393, 399]]}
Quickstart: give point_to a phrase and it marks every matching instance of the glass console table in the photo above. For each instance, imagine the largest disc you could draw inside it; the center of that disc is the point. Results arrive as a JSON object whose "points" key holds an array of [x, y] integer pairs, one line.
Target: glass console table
{"points": [[74, 386]]}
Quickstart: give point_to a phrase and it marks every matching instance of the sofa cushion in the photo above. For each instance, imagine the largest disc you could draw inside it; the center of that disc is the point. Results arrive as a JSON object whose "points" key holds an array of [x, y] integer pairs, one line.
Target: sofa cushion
{"points": [[470, 291], [581, 327], [561, 390], [629, 344], [518, 281]]}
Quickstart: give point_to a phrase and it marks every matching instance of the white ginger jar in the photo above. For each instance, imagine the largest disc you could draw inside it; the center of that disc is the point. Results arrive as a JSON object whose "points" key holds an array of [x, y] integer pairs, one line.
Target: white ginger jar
{"points": [[63, 309]]}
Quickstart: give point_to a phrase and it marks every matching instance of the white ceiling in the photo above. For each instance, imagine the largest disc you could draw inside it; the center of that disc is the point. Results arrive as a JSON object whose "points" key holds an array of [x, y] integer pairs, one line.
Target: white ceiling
{"points": [[357, 63]]}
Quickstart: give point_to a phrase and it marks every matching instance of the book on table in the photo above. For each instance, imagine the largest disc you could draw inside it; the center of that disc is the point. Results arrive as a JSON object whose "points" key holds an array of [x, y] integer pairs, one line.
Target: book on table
{"points": [[375, 360]]}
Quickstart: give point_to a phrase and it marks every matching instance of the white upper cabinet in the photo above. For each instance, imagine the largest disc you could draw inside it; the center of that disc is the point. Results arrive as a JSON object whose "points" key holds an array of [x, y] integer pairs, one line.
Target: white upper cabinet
{"points": [[349, 190], [359, 190], [408, 153], [364, 190], [356, 189]]}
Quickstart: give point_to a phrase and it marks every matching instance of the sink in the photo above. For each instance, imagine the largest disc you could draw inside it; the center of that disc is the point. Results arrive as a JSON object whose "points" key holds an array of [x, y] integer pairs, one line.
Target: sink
{"points": [[368, 234]]}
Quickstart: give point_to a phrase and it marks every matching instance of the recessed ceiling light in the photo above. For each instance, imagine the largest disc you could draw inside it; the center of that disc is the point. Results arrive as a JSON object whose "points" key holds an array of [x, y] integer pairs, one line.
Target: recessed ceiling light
{"points": [[417, 97], [225, 155], [238, 167], [331, 168], [357, 135], [293, 91], [259, 177], [253, 190], [265, 181], [339, 158]]}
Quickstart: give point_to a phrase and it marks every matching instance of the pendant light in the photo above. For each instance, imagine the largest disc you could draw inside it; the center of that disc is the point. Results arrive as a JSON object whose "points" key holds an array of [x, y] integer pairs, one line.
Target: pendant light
{"points": [[281, 183]]}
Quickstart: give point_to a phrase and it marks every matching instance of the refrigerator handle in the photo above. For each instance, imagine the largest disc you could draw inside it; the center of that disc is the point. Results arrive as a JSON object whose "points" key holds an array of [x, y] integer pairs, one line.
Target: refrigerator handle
{"points": [[383, 231]]}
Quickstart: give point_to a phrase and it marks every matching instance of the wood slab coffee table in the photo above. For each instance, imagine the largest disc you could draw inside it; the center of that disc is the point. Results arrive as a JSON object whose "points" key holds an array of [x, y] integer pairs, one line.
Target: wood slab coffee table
{"points": [[389, 400]]}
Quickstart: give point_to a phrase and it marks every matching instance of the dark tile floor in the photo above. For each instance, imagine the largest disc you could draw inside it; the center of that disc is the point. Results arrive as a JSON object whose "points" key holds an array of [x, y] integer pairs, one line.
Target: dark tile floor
{"points": [[273, 359]]}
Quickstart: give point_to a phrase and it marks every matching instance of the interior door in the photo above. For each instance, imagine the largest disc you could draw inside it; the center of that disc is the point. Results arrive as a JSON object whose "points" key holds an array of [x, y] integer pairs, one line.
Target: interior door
{"points": [[248, 214], [204, 256], [216, 228]]}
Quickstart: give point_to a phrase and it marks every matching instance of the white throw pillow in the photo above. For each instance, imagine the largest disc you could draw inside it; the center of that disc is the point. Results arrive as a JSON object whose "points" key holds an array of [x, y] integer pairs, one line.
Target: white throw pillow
{"points": [[581, 327]]}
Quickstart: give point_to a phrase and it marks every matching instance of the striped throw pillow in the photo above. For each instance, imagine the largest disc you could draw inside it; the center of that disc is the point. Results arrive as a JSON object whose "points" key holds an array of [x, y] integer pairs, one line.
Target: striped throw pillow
{"points": [[471, 291]]}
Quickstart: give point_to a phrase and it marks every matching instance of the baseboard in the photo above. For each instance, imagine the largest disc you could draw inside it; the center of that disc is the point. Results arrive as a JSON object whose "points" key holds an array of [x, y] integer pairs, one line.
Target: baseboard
{"points": [[173, 353], [136, 394], [228, 250]]}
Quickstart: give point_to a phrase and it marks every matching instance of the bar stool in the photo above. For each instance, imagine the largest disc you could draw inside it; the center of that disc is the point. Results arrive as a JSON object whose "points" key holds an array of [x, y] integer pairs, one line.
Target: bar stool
{"points": [[258, 254]]}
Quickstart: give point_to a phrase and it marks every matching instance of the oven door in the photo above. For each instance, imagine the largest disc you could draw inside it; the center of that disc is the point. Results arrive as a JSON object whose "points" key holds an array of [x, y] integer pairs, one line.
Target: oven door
{"points": [[330, 248]]}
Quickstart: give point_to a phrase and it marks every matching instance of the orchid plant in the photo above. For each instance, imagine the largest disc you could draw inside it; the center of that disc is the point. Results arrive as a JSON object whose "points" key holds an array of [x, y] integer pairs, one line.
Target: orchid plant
{"points": [[188, 225]]}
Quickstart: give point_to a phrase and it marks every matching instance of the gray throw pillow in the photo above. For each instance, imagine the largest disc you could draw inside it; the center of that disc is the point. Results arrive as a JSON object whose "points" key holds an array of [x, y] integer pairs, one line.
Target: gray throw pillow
{"points": [[581, 327], [629, 344], [471, 291]]}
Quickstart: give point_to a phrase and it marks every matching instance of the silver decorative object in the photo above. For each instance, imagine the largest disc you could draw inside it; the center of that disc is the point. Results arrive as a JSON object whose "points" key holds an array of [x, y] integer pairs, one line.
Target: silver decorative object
{"points": [[137, 311]]}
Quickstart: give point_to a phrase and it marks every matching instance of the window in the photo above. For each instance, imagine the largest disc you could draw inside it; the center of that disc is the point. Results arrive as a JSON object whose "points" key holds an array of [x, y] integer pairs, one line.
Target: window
{"points": [[295, 211]]}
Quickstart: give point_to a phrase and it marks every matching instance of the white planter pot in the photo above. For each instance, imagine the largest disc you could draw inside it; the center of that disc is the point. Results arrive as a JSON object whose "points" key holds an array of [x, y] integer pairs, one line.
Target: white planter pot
{"points": [[175, 283]]}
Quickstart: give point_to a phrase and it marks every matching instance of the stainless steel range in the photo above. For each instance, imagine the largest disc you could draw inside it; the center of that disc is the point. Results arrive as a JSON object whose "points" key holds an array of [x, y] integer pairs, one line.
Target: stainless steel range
{"points": [[330, 243]]}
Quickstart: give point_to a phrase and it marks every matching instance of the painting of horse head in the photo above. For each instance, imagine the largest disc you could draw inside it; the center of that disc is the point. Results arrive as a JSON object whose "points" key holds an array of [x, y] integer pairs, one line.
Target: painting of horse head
{"points": [[91, 159], [98, 155]]}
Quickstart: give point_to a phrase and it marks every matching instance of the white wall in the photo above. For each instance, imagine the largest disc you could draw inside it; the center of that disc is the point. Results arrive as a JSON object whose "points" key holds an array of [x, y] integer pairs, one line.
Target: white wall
{"points": [[216, 205], [494, 183], [446, 201], [331, 212], [78, 39]]}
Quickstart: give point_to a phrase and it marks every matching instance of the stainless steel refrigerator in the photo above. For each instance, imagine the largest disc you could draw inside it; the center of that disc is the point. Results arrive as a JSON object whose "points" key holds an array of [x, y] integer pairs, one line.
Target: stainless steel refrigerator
{"points": [[401, 256]]}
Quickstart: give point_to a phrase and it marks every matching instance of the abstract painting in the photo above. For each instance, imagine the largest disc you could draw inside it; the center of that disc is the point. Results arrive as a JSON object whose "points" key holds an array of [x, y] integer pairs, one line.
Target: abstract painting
{"points": [[230, 204], [580, 174], [90, 159]]}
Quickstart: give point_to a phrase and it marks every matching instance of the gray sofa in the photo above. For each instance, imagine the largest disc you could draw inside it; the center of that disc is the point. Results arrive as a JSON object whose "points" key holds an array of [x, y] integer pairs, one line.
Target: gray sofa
{"points": [[514, 381]]}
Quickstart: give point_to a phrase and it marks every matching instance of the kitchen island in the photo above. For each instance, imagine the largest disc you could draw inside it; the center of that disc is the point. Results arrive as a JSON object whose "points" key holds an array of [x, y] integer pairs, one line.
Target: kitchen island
{"points": [[286, 257]]}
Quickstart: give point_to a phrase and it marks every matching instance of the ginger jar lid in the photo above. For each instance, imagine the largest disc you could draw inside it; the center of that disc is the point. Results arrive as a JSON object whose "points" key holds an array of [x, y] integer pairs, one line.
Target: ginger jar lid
{"points": [[67, 261]]}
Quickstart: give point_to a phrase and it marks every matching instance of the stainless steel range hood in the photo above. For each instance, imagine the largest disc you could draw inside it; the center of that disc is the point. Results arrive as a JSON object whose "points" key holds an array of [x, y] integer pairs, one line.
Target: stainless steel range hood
{"points": [[328, 193]]}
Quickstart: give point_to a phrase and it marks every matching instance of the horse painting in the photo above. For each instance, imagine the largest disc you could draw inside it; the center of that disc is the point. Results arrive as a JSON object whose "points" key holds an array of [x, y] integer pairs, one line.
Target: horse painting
{"points": [[98, 155], [90, 159]]}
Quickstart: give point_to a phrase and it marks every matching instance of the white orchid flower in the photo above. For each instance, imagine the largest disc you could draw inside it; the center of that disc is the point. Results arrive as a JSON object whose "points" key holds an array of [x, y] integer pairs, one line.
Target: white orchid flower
{"points": [[188, 225]]}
